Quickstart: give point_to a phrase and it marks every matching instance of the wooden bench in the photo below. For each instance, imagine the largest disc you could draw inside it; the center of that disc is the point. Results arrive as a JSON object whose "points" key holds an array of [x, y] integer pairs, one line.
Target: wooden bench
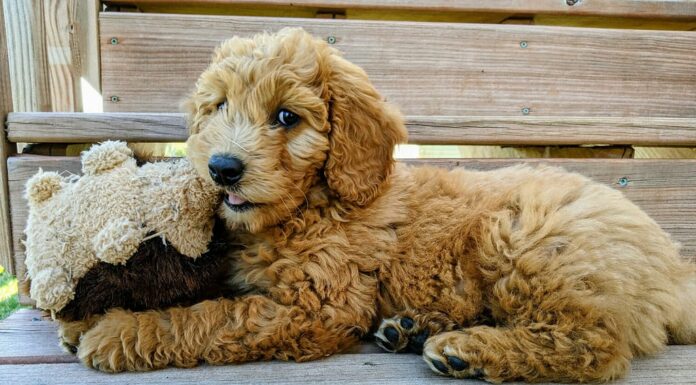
{"points": [[457, 82]]}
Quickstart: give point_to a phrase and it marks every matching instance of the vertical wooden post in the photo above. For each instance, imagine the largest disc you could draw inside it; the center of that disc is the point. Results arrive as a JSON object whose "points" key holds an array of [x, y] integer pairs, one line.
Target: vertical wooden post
{"points": [[6, 149], [28, 62]]}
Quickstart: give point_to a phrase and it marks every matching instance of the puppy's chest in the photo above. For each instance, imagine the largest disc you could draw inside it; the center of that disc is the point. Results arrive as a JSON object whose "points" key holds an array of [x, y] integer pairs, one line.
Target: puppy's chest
{"points": [[315, 260]]}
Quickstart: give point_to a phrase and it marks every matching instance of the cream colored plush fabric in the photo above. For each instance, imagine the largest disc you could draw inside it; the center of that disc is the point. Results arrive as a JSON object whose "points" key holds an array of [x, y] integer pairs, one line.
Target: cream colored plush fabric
{"points": [[104, 215]]}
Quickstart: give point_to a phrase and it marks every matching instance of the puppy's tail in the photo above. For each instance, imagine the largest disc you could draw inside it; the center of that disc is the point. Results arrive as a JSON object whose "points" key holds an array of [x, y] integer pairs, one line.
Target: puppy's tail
{"points": [[683, 331]]}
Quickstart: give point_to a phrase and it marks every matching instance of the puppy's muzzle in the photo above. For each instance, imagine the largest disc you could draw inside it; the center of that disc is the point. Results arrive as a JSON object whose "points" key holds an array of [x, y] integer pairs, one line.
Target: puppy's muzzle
{"points": [[226, 170]]}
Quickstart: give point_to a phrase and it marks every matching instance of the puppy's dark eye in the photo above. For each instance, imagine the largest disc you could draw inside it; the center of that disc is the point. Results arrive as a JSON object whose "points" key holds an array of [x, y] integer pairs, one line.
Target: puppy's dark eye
{"points": [[222, 106], [287, 119]]}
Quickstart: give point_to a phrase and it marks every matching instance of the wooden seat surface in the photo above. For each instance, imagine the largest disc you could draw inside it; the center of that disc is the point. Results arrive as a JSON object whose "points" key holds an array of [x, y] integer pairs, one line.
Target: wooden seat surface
{"points": [[29, 354]]}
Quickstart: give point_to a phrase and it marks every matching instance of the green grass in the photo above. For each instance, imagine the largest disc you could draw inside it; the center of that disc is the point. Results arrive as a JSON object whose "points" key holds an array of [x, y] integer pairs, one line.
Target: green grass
{"points": [[9, 301]]}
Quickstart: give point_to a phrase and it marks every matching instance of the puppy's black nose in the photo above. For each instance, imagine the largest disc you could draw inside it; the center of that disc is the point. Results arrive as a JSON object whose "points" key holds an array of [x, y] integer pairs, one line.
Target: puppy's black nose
{"points": [[226, 170]]}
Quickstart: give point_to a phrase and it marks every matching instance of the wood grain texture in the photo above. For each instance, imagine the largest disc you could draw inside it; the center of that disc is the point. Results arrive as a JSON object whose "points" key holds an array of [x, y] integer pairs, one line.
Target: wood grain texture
{"points": [[427, 69], [366, 365], [663, 188], [27, 55], [682, 9], [674, 366], [171, 127], [85, 47], [6, 149], [63, 73], [29, 333], [95, 127]]}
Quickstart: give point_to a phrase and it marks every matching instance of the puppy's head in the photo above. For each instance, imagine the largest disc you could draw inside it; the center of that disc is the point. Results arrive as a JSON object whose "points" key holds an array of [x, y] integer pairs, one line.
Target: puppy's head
{"points": [[276, 114]]}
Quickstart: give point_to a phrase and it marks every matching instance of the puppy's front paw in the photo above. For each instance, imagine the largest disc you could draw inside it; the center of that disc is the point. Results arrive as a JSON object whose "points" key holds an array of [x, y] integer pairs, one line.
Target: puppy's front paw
{"points": [[454, 354], [111, 345], [70, 333], [408, 331]]}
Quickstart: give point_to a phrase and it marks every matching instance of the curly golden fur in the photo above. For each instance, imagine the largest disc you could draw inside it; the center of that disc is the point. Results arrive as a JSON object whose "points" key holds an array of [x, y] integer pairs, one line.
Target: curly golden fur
{"points": [[519, 273]]}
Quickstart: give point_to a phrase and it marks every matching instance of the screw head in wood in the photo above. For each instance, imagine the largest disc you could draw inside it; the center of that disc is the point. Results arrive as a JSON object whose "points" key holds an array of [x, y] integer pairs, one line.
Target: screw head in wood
{"points": [[115, 99], [331, 39], [623, 181], [114, 41], [526, 111], [523, 44]]}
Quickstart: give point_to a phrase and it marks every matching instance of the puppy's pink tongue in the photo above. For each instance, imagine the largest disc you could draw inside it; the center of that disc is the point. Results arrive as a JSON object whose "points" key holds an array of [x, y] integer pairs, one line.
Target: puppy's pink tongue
{"points": [[235, 199]]}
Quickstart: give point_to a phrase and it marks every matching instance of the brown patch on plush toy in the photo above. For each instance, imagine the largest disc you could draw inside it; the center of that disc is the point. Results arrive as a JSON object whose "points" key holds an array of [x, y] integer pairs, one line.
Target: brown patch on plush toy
{"points": [[156, 276]]}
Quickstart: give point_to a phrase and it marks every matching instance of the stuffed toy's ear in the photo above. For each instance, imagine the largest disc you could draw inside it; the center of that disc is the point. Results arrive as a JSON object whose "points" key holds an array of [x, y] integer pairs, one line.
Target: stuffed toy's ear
{"points": [[42, 187], [105, 156]]}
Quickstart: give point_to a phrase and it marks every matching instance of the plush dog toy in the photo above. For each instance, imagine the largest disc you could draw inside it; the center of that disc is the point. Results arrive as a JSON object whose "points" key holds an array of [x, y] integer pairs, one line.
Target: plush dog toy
{"points": [[121, 235]]}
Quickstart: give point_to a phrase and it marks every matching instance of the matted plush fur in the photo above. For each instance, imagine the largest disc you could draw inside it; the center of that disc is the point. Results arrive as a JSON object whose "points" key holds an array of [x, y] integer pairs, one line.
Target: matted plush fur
{"points": [[520, 273]]}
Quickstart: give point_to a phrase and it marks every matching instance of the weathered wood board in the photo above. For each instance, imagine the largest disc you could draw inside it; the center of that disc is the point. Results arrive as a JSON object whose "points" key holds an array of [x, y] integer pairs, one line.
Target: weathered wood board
{"points": [[680, 9], [526, 130], [29, 355], [428, 69]]}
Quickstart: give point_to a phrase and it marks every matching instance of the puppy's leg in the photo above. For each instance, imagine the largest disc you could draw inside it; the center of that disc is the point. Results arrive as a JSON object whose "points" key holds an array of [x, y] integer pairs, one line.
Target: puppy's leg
{"points": [[70, 332], [572, 351], [223, 331], [408, 330]]}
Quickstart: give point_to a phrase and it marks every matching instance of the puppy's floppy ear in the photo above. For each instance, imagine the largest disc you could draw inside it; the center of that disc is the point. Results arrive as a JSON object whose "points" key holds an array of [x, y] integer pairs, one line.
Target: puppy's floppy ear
{"points": [[364, 131]]}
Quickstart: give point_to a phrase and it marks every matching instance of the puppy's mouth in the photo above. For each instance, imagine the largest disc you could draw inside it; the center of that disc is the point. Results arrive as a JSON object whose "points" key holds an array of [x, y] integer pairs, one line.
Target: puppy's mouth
{"points": [[237, 203]]}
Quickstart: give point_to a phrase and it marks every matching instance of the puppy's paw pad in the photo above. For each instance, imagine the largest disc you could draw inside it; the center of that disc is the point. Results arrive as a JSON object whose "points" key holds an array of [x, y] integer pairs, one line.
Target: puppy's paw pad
{"points": [[457, 363], [391, 335], [444, 360]]}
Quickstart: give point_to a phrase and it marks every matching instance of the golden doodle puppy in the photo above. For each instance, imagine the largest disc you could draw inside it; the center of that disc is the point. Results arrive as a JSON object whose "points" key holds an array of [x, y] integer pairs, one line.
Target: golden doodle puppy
{"points": [[515, 274]]}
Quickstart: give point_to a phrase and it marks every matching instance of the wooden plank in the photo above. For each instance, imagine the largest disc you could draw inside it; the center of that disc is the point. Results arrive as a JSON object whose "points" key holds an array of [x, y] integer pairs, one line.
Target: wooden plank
{"points": [[674, 366], [663, 188], [28, 343], [26, 335], [427, 69], [528, 130], [63, 77], [51, 48], [27, 55], [681, 9], [29, 354], [6, 149], [95, 127], [85, 45]]}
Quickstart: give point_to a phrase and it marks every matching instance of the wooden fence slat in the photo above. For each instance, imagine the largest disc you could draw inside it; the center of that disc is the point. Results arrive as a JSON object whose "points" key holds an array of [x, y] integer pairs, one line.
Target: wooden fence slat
{"points": [[27, 55], [663, 188], [430, 69], [171, 127], [684, 9], [6, 149]]}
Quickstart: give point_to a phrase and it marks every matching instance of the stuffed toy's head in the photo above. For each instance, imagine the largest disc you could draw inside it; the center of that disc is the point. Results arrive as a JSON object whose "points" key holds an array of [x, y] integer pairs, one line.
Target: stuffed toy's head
{"points": [[106, 215]]}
